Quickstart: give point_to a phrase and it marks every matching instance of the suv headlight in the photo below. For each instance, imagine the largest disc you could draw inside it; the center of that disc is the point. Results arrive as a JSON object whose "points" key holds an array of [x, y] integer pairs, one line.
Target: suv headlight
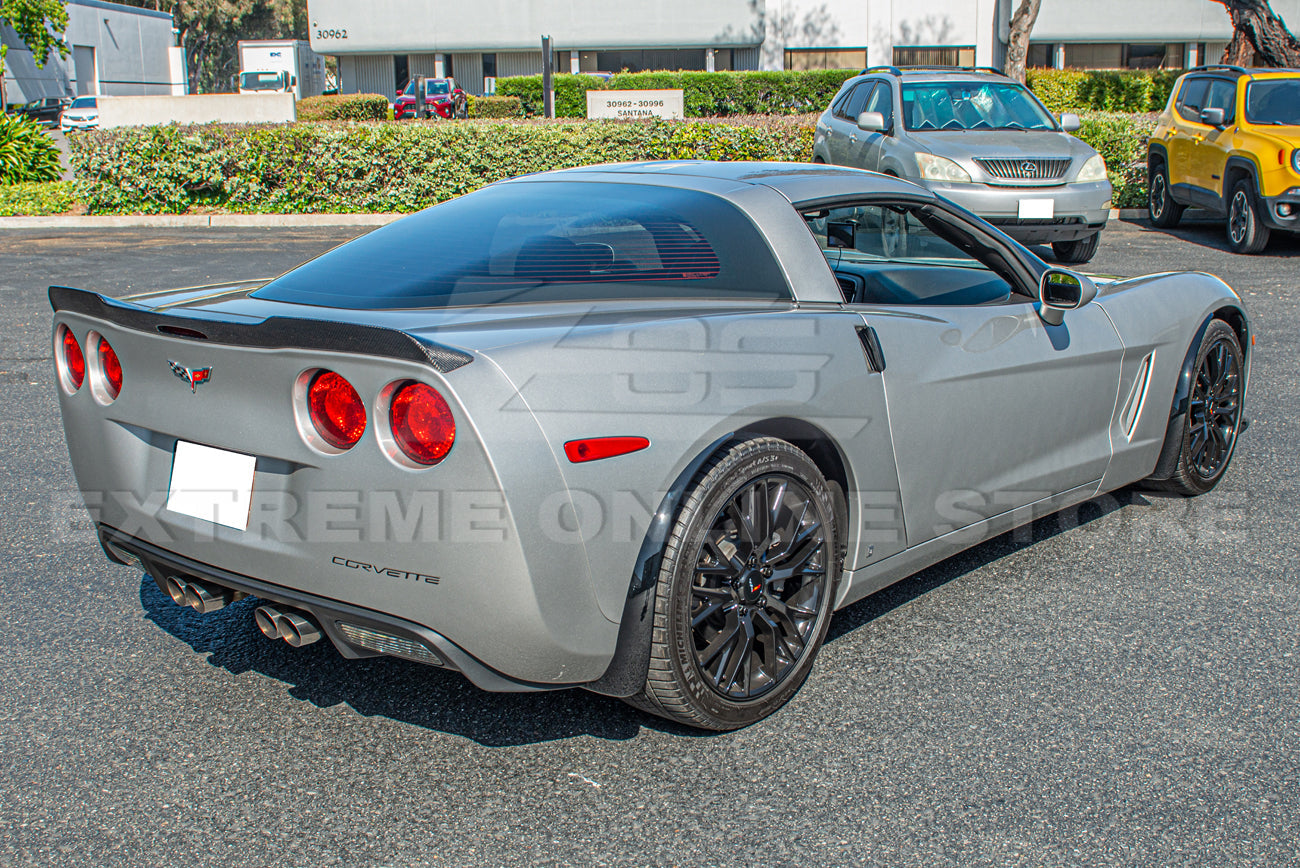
{"points": [[1093, 170], [1295, 160], [941, 169]]}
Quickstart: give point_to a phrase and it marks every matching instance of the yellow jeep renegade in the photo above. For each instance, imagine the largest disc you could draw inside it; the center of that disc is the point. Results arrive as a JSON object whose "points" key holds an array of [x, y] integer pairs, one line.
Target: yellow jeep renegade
{"points": [[1229, 141]]}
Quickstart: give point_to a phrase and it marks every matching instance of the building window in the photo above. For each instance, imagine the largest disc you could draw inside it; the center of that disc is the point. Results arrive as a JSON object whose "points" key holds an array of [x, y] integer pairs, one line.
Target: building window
{"points": [[650, 59], [1125, 55], [401, 71], [489, 66], [1042, 55], [825, 58], [922, 55]]}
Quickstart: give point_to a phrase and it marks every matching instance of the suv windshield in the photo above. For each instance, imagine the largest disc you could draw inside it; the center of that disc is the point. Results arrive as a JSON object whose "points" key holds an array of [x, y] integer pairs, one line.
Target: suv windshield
{"points": [[432, 87], [546, 241], [972, 105], [1274, 102], [83, 102]]}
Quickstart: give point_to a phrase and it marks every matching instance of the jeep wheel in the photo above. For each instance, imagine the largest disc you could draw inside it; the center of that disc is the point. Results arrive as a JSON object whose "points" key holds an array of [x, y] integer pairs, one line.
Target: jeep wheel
{"points": [[745, 590], [1246, 232], [1078, 251], [1161, 207]]}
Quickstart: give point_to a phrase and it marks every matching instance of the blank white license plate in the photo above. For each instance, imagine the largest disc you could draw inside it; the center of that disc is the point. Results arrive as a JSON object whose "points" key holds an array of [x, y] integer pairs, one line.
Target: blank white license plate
{"points": [[211, 484], [1037, 209]]}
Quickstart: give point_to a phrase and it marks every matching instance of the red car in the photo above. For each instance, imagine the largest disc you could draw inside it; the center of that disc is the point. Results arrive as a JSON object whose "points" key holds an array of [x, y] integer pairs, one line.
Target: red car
{"points": [[441, 97]]}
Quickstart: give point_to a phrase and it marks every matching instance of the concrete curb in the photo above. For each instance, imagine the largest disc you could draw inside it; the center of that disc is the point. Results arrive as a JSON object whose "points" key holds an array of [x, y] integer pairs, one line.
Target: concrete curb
{"points": [[196, 221], [250, 221]]}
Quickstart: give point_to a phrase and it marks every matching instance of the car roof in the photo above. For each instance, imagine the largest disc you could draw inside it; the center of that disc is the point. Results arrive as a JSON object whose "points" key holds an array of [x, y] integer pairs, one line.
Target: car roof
{"points": [[798, 182], [935, 73], [1254, 71]]}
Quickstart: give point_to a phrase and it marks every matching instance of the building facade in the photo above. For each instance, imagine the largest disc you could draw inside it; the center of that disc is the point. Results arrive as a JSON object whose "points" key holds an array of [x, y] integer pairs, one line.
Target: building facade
{"points": [[113, 50], [381, 44]]}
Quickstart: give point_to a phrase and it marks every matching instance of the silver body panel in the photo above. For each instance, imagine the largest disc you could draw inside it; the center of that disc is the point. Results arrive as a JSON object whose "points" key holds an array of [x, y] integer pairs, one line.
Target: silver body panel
{"points": [[983, 418]]}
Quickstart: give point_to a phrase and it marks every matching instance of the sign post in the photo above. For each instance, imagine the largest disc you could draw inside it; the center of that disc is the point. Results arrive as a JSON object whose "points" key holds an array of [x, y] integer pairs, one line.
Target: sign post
{"points": [[548, 92]]}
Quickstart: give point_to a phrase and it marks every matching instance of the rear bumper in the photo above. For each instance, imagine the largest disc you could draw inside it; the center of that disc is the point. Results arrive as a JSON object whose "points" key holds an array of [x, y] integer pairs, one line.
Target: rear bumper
{"points": [[332, 615], [1078, 210]]}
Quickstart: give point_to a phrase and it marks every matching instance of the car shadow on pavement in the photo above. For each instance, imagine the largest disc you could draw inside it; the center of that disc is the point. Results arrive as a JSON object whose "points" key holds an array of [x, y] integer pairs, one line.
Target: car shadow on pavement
{"points": [[899, 594], [446, 702]]}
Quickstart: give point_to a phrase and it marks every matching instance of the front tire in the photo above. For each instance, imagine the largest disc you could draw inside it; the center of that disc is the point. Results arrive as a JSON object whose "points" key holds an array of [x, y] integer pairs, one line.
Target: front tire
{"points": [[1213, 418], [1078, 251], [1246, 232], [1161, 207], [745, 590]]}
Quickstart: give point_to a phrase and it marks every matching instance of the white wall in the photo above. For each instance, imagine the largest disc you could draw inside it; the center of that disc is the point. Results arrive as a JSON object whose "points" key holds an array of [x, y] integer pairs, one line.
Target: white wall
{"points": [[227, 108], [414, 26]]}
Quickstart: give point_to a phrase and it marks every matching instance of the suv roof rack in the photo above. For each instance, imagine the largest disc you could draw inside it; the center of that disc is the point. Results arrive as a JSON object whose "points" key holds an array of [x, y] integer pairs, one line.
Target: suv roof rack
{"points": [[894, 70], [1209, 66]]}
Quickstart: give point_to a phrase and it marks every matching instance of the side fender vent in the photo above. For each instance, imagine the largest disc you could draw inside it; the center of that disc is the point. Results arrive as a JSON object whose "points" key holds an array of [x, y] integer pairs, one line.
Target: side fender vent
{"points": [[1137, 398]]}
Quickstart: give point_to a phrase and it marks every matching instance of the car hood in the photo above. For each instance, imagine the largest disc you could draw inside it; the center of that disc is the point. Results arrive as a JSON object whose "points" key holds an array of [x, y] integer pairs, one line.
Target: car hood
{"points": [[1001, 144]]}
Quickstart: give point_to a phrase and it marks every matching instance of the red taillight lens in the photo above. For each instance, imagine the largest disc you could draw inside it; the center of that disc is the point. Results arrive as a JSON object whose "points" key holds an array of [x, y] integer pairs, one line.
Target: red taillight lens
{"points": [[112, 369], [422, 423], [74, 363], [336, 410]]}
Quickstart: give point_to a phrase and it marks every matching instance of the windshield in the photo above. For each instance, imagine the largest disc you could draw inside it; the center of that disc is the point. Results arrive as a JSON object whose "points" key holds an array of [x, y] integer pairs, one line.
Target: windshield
{"points": [[546, 241], [260, 81], [1274, 102], [972, 105], [432, 87], [83, 102]]}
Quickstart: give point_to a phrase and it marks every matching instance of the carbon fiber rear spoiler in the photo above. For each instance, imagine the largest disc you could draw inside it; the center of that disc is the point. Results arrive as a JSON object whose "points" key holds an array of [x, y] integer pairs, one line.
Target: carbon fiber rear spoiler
{"points": [[271, 333]]}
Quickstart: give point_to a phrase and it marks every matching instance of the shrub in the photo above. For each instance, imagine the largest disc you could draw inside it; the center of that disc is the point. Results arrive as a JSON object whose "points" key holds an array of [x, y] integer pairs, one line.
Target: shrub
{"points": [[350, 107], [36, 199], [309, 168], [1074, 90], [495, 107], [26, 152], [1121, 139], [706, 94]]}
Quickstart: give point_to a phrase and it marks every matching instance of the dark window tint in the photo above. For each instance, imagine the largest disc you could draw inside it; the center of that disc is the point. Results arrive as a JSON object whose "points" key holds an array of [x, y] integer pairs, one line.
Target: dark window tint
{"points": [[851, 106], [1274, 102], [546, 241], [882, 100], [1191, 99]]}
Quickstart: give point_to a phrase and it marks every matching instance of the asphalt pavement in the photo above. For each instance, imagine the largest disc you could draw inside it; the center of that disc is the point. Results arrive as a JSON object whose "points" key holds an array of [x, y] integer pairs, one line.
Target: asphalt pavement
{"points": [[1116, 685]]}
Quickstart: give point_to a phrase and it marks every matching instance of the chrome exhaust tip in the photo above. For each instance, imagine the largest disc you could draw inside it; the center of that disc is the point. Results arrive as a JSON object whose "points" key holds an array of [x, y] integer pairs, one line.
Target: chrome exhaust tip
{"points": [[293, 627], [176, 590]]}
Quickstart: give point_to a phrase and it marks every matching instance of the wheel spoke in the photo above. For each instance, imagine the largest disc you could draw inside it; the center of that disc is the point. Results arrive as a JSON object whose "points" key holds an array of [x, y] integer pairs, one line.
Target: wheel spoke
{"points": [[725, 638]]}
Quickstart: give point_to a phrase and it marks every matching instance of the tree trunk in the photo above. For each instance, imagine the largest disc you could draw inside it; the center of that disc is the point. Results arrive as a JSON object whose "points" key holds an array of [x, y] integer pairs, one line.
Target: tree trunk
{"points": [[1259, 36], [1022, 24]]}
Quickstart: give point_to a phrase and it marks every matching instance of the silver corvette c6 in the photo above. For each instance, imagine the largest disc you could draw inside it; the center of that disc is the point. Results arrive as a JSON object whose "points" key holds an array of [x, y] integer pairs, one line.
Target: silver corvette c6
{"points": [[636, 428]]}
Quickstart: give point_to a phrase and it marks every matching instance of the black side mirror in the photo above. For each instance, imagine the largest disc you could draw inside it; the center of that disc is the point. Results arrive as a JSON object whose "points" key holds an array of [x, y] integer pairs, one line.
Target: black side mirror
{"points": [[1060, 290], [1212, 117]]}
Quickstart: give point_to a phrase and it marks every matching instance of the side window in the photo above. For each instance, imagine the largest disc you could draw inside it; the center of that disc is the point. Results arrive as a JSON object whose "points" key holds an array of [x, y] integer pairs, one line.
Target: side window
{"points": [[853, 106], [1191, 99], [882, 100], [1223, 95], [886, 254]]}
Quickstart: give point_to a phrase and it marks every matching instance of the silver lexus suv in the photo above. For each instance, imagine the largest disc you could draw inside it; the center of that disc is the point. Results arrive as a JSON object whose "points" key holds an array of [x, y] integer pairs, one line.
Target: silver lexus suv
{"points": [[979, 139]]}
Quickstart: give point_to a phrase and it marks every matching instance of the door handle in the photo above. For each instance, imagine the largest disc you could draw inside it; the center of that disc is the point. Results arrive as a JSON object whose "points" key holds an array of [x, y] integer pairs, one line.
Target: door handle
{"points": [[853, 137], [871, 348]]}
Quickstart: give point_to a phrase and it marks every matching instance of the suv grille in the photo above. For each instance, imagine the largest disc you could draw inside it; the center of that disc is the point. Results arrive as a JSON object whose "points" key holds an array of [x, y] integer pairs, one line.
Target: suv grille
{"points": [[1025, 170]]}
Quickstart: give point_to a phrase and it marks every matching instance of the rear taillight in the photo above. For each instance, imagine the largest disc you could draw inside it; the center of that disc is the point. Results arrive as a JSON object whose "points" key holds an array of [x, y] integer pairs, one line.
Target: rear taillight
{"points": [[421, 423], [111, 369], [336, 410], [72, 364]]}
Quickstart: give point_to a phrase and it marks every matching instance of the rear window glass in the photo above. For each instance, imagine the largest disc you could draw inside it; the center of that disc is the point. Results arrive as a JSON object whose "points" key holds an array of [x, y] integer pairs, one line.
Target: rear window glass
{"points": [[546, 241]]}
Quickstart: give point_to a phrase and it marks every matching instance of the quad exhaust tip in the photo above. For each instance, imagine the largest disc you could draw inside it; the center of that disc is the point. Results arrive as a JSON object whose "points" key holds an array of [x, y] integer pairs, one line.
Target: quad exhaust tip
{"points": [[293, 627], [200, 596]]}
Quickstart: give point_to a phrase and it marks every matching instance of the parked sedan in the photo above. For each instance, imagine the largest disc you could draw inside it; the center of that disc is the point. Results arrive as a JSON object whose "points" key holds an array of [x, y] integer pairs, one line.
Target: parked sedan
{"points": [[637, 428], [442, 98], [45, 112], [979, 139], [83, 114]]}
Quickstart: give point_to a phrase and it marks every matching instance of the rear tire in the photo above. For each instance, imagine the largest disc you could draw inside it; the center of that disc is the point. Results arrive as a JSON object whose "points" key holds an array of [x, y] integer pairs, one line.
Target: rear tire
{"points": [[1078, 251], [745, 590], [1161, 207], [1246, 232], [1213, 418]]}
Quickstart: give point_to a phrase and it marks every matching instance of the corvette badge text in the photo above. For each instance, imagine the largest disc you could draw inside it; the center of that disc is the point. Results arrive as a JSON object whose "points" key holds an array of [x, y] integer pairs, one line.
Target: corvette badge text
{"points": [[391, 572]]}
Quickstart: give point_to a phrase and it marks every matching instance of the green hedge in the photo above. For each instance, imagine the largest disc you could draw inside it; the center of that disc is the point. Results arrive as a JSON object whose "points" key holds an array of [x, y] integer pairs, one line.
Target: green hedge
{"points": [[706, 94], [1121, 139], [312, 168], [350, 107], [495, 106], [1076, 90], [36, 199], [26, 152]]}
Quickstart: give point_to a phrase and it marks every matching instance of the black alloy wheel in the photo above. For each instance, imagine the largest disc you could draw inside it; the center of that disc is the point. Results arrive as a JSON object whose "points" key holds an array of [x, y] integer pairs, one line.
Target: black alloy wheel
{"points": [[746, 587]]}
